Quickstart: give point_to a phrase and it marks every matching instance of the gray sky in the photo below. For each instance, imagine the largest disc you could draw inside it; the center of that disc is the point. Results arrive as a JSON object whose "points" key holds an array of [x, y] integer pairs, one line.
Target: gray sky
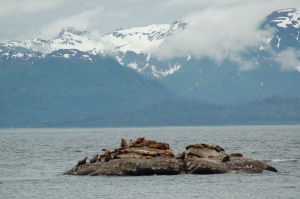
{"points": [[27, 19]]}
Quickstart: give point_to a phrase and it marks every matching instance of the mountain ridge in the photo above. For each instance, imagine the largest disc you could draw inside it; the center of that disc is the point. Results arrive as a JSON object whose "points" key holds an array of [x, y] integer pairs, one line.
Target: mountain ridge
{"points": [[133, 48]]}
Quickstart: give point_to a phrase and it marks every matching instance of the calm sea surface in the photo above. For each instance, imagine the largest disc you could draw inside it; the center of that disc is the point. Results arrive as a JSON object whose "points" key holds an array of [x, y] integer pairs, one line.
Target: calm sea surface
{"points": [[32, 161]]}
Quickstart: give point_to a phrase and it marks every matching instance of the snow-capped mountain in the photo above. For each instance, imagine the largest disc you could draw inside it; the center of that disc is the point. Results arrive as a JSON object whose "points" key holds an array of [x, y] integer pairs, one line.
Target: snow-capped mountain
{"points": [[134, 47], [139, 41], [79, 73], [186, 76]]}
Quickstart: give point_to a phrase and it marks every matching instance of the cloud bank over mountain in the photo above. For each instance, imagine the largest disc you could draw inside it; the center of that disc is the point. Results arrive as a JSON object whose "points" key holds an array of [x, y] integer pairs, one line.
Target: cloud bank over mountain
{"points": [[223, 30], [29, 19], [217, 30]]}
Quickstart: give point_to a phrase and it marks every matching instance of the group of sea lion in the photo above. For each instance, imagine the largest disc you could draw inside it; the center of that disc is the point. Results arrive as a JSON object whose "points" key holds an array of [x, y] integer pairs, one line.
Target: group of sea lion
{"points": [[196, 159], [206, 151], [106, 156], [139, 148]]}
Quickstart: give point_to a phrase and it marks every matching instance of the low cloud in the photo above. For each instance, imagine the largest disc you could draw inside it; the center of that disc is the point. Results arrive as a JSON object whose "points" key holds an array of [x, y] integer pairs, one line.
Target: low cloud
{"points": [[222, 30], [289, 59], [82, 21]]}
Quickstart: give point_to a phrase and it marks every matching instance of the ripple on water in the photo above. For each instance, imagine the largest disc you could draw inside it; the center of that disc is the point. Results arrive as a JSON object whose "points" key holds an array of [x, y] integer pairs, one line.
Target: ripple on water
{"points": [[35, 158]]}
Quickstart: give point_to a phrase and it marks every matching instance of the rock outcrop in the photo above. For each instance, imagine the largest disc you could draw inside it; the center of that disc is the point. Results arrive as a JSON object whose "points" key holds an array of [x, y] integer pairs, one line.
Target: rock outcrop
{"points": [[148, 157]]}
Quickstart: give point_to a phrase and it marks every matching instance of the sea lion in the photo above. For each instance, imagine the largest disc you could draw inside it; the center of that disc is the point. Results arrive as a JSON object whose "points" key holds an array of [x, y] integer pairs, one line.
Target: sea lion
{"points": [[221, 148], [191, 154], [94, 159], [194, 146], [217, 149], [81, 162], [125, 151], [137, 141], [170, 153], [108, 157], [226, 158], [159, 145], [208, 146], [236, 155], [146, 153], [124, 143], [106, 152]]}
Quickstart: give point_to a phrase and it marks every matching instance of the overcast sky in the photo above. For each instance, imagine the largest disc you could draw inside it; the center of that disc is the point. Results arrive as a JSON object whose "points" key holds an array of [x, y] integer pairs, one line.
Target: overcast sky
{"points": [[27, 19]]}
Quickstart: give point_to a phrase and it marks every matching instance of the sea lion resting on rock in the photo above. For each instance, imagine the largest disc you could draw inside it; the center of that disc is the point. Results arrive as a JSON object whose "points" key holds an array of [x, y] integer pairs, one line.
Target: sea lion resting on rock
{"points": [[81, 162], [137, 141], [94, 159], [146, 153], [124, 143], [191, 154], [123, 151], [226, 158], [208, 146], [108, 157], [204, 151], [106, 153], [141, 142], [167, 152], [236, 155]]}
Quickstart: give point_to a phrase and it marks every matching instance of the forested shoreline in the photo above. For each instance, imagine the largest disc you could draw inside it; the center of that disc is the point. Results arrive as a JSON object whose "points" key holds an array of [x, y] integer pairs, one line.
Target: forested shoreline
{"points": [[187, 112]]}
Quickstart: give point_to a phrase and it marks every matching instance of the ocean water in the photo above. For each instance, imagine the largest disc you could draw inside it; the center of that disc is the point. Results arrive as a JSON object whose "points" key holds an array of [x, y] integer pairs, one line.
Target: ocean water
{"points": [[33, 160]]}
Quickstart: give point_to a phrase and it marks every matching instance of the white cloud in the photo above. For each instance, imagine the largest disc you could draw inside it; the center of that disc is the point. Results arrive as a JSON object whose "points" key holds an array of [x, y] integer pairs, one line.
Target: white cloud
{"points": [[221, 27], [289, 59], [81, 21]]}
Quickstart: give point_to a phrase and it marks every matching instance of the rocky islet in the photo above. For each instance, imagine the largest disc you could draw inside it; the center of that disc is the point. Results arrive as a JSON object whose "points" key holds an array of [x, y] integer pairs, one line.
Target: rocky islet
{"points": [[149, 157]]}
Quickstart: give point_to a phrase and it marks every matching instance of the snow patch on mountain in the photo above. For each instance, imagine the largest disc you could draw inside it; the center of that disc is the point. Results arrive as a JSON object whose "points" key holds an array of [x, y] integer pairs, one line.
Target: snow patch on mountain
{"points": [[292, 18], [140, 40]]}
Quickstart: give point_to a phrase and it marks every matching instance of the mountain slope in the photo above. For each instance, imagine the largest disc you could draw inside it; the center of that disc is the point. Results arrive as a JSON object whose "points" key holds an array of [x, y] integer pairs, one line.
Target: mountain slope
{"points": [[274, 66], [36, 90]]}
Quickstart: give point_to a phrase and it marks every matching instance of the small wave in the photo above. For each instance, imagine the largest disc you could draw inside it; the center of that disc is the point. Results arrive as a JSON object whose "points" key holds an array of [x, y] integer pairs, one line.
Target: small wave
{"points": [[284, 160]]}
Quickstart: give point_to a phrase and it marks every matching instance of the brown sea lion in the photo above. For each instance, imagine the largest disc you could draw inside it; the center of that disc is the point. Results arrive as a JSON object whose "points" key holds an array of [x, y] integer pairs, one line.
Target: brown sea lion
{"points": [[159, 145], [94, 159], [236, 155], [125, 151], [226, 158], [194, 146], [81, 162], [146, 153], [191, 154], [208, 146], [124, 143], [217, 149], [138, 145], [108, 157], [189, 146], [106, 152], [170, 153], [137, 141], [221, 148]]}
